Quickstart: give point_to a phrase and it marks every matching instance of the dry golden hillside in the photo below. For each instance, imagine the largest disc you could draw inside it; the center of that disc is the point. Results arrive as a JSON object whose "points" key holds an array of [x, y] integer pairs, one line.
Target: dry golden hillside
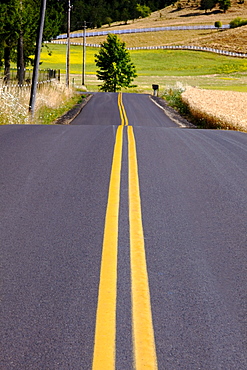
{"points": [[190, 14], [234, 39]]}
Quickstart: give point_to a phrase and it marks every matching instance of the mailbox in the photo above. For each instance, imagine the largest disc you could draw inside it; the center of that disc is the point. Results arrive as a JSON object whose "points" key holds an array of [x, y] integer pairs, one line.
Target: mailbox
{"points": [[155, 89]]}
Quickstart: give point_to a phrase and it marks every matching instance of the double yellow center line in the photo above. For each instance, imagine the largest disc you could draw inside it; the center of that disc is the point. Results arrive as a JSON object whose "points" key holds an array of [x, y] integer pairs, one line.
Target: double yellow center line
{"points": [[105, 333], [123, 116]]}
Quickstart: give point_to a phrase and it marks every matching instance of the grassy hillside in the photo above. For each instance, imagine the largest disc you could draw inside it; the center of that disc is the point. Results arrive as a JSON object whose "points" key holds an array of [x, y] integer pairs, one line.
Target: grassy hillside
{"points": [[164, 67], [150, 63]]}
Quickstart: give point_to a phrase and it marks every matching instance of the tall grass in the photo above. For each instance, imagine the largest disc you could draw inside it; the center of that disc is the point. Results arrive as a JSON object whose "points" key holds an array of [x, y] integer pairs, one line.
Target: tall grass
{"points": [[52, 101], [13, 106], [172, 94]]}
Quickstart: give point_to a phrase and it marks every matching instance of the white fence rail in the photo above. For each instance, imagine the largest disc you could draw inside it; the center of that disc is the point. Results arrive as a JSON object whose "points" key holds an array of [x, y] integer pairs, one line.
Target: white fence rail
{"points": [[140, 30], [173, 47]]}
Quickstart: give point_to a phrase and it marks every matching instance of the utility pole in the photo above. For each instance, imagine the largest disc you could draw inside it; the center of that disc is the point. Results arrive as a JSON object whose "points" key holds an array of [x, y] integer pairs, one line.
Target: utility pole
{"points": [[20, 51], [84, 53], [37, 57], [68, 45]]}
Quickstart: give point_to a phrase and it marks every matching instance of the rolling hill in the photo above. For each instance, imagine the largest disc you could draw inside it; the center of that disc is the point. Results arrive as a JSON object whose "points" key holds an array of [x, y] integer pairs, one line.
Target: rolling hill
{"points": [[189, 14]]}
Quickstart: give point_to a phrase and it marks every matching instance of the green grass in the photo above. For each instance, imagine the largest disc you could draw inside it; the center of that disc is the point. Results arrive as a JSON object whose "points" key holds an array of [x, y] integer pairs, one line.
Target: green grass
{"points": [[47, 115], [196, 68], [151, 62], [240, 88], [185, 63]]}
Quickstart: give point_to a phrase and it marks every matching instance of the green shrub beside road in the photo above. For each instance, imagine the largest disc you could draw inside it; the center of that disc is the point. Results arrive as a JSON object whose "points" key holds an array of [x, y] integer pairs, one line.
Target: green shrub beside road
{"points": [[238, 22]]}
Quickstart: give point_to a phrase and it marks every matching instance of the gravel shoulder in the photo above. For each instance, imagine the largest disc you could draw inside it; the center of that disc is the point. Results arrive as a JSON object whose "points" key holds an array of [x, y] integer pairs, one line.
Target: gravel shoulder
{"points": [[171, 113]]}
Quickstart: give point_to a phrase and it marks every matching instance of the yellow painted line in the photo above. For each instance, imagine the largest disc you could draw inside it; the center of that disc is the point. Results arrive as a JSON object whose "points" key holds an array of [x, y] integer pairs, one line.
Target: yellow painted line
{"points": [[143, 333], [120, 109], [105, 332], [123, 115], [124, 112]]}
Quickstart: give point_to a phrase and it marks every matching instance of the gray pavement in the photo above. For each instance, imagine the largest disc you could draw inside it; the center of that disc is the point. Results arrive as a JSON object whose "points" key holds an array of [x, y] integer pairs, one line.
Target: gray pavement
{"points": [[54, 186]]}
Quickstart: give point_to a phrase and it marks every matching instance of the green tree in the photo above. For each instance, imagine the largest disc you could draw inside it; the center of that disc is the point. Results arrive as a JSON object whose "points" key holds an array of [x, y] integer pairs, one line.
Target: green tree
{"points": [[224, 5], [115, 66], [18, 29], [9, 30], [218, 24], [108, 20], [238, 22], [207, 4], [125, 16], [143, 11]]}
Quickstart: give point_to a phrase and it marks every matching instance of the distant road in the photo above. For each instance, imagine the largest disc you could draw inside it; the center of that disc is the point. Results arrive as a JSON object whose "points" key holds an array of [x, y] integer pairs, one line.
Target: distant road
{"points": [[123, 241]]}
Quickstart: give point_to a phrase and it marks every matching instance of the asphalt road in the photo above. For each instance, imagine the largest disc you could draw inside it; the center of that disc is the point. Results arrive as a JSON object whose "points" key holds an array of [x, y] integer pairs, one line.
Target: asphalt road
{"points": [[53, 203]]}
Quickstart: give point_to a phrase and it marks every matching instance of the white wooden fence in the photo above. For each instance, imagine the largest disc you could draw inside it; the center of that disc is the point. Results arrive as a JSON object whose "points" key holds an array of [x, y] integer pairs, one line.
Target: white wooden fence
{"points": [[140, 30], [173, 47]]}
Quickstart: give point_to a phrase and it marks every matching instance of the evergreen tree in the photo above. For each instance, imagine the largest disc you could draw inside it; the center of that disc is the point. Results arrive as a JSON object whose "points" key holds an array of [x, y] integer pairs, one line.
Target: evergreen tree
{"points": [[115, 67], [9, 32], [98, 11]]}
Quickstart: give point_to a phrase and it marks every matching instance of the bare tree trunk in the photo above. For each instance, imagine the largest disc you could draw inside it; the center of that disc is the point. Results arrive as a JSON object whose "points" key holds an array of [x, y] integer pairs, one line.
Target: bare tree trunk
{"points": [[6, 64], [20, 60]]}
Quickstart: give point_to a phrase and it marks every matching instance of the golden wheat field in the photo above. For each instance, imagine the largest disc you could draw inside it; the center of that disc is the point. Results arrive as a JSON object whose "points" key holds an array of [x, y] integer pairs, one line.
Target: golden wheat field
{"points": [[225, 109]]}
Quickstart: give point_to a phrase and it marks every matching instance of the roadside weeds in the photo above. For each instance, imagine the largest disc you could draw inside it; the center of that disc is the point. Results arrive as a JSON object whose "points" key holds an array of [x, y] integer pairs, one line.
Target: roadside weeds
{"points": [[69, 116], [51, 102], [173, 114]]}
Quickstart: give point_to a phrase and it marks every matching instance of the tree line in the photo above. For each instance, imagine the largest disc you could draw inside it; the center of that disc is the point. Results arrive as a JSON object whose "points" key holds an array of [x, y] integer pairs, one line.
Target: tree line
{"points": [[19, 20], [99, 12], [19, 23], [210, 4]]}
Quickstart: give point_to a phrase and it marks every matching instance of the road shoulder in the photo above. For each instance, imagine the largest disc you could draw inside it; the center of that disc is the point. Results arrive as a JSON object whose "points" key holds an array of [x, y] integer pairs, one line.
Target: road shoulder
{"points": [[69, 116], [171, 113]]}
